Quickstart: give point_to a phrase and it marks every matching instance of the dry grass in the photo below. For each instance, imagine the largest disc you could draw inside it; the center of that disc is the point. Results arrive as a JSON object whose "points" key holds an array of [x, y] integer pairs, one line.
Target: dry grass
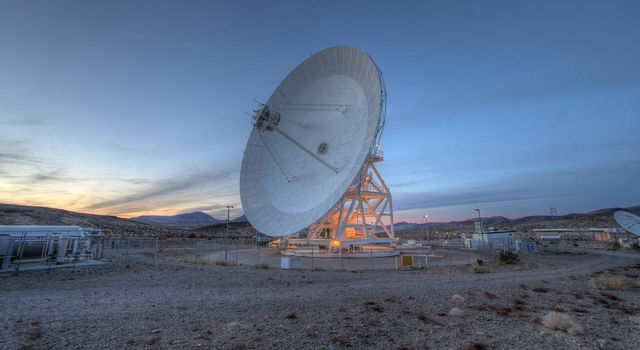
{"points": [[34, 334], [424, 318], [558, 321], [490, 295], [224, 263], [152, 341], [261, 266], [457, 298], [476, 346], [339, 341], [480, 269], [456, 312], [612, 282]]}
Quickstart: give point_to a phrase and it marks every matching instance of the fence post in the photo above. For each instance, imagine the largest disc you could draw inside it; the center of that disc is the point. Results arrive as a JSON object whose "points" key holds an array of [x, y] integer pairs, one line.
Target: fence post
{"points": [[20, 250], [341, 260], [312, 249], [155, 256], [371, 253]]}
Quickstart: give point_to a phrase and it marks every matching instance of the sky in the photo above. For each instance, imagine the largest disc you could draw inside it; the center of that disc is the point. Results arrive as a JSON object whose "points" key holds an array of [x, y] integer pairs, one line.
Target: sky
{"points": [[142, 107]]}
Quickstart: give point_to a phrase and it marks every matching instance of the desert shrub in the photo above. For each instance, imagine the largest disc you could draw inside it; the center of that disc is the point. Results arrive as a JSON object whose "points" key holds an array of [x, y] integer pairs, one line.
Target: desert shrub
{"points": [[262, 266], [34, 334], [558, 321], [225, 263], [152, 340], [614, 282], [508, 257], [615, 245], [476, 346], [480, 269], [480, 262], [456, 312], [457, 298], [490, 295]]}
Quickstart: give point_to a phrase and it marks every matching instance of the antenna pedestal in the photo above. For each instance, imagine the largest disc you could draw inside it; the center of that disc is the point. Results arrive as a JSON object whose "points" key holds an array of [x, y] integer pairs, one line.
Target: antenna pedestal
{"points": [[361, 215]]}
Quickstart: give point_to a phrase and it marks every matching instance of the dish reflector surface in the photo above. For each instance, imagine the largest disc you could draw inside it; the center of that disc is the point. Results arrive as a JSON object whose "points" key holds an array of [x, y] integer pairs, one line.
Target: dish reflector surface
{"points": [[324, 119], [628, 221]]}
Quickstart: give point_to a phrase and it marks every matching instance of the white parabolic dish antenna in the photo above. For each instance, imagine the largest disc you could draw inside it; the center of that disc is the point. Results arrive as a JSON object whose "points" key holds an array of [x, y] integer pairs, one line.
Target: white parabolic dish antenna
{"points": [[628, 221], [311, 139]]}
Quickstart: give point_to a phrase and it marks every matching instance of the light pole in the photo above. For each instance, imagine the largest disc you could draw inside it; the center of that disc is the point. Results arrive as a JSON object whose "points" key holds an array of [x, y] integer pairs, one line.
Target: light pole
{"points": [[426, 224], [226, 243]]}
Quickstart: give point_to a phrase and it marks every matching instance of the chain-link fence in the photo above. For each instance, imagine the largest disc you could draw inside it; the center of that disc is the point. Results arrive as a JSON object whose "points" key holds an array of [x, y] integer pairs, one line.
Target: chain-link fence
{"points": [[125, 249], [317, 258]]}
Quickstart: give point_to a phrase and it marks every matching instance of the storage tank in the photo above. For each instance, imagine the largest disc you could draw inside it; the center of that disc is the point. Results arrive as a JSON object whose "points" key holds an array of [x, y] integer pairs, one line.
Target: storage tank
{"points": [[56, 240]]}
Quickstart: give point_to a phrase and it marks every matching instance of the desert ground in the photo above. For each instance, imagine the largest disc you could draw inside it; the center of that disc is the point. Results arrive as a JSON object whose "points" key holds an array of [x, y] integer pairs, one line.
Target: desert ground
{"points": [[180, 305]]}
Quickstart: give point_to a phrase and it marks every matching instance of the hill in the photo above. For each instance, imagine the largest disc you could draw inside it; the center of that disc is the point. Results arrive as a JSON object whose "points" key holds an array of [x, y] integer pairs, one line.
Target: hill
{"points": [[11, 214], [241, 218], [188, 220]]}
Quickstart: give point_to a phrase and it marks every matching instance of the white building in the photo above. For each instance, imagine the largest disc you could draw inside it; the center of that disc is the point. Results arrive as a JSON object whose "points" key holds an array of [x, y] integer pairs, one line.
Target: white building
{"points": [[497, 240]]}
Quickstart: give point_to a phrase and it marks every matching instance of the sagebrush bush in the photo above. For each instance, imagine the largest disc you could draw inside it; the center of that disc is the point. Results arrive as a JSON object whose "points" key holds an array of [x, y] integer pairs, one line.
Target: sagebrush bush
{"points": [[457, 298], [508, 257], [558, 321], [456, 312], [615, 245], [480, 269], [613, 282]]}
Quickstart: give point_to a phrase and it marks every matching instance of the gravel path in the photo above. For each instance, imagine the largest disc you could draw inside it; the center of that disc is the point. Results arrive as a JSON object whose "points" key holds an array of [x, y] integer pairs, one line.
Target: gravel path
{"points": [[174, 306]]}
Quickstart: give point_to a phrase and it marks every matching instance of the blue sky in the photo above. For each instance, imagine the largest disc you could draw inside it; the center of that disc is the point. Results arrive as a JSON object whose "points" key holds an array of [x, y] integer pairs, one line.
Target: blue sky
{"points": [[140, 107]]}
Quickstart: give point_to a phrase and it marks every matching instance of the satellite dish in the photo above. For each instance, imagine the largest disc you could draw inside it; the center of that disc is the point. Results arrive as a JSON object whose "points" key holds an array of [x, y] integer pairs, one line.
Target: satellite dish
{"points": [[628, 221], [311, 139]]}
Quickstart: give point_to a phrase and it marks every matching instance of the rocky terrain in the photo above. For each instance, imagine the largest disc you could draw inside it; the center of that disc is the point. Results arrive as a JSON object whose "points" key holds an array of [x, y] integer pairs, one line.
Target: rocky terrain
{"points": [[556, 305]]}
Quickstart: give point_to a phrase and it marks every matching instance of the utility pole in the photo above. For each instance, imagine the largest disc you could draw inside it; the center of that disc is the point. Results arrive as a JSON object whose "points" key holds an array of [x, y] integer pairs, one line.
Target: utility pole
{"points": [[226, 243], [426, 224]]}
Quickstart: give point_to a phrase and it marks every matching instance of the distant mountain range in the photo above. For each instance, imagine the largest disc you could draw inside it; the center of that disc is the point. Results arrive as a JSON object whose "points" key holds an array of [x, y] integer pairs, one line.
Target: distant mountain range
{"points": [[187, 220], [179, 225], [501, 220], [192, 220], [240, 219]]}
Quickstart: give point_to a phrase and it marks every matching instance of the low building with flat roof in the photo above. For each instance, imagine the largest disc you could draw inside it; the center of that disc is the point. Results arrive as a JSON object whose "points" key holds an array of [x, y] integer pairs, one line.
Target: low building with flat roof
{"points": [[579, 234]]}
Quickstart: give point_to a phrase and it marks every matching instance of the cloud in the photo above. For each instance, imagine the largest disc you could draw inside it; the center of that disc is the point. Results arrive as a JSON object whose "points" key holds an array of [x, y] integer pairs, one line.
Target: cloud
{"points": [[181, 189], [21, 122], [611, 179]]}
